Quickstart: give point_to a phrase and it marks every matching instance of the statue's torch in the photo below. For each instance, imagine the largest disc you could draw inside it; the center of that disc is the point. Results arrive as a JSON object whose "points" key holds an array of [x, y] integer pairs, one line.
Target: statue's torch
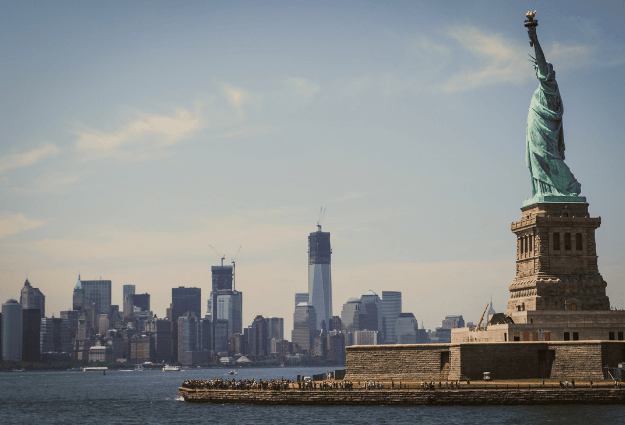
{"points": [[530, 23]]}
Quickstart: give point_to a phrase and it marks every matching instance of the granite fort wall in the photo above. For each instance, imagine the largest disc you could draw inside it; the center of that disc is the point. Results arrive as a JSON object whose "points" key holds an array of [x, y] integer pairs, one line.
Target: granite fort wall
{"points": [[406, 398], [509, 360], [399, 362]]}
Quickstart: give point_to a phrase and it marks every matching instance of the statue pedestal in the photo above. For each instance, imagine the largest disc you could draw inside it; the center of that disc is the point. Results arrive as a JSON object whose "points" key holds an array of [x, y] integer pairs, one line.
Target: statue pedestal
{"points": [[556, 263], [554, 199]]}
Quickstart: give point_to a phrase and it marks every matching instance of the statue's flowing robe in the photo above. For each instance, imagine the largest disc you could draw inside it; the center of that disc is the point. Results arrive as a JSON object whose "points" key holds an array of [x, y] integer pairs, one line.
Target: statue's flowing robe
{"points": [[544, 147]]}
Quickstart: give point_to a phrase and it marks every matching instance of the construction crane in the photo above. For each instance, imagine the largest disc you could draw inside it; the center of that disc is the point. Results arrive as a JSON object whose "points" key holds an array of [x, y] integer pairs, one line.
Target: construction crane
{"points": [[234, 288], [223, 257], [322, 213], [479, 324]]}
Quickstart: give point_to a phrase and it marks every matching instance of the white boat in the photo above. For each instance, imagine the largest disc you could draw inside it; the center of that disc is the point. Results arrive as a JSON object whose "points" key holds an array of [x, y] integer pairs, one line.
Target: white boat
{"points": [[139, 367], [233, 372], [94, 369], [169, 368]]}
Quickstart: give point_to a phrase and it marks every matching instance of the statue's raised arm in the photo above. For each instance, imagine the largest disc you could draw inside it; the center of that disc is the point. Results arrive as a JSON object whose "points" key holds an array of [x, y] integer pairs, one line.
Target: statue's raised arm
{"points": [[545, 134], [541, 62]]}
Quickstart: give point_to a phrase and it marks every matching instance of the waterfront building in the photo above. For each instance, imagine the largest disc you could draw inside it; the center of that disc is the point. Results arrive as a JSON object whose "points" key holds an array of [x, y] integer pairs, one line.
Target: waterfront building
{"points": [[183, 300], [115, 340], [336, 346], [230, 309], [320, 345], [194, 336], [97, 292], [258, 337], [32, 298], [366, 337], [127, 290], [226, 305], [72, 321], [406, 329], [78, 297], [237, 344], [350, 313], [371, 298], [12, 331], [100, 353], [319, 277], [136, 303], [335, 324], [160, 331], [221, 341], [0, 335], [357, 316], [391, 309], [141, 349], [301, 297], [452, 322], [275, 327], [284, 347], [85, 337], [304, 327], [103, 324], [31, 334]]}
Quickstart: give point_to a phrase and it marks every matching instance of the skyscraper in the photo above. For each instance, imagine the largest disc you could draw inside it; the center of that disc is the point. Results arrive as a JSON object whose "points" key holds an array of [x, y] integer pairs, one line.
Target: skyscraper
{"points": [[33, 298], [368, 298], [226, 305], [301, 297], [97, 292], [12, 331], [304, 327], [31, 334], [275, 327], [128, 290], [406, 329], [319, 276], [183, 300], [136, 300], [258, 337], [78, 296], [55, 335], [391, 309]]}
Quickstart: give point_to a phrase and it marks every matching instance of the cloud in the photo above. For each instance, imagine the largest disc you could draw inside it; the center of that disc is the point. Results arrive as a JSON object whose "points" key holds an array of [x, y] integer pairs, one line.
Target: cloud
{"points": [[235, 96], [503, 60], [499, 60], [12, 224], [302, 86], [158, 130], [24, 159]]}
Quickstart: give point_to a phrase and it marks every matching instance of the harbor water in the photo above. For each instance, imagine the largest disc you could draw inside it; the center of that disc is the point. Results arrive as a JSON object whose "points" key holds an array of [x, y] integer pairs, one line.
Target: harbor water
{"points": [[151, 397]]}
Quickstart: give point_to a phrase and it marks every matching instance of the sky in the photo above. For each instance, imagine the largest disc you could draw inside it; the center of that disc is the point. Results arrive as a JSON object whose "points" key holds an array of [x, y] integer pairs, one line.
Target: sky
{"points": [[135, 135]]}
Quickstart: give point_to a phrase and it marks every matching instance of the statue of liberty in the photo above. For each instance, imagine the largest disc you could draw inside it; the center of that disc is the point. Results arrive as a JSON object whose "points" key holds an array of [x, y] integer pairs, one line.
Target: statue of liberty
{"points": [[544, 139]]}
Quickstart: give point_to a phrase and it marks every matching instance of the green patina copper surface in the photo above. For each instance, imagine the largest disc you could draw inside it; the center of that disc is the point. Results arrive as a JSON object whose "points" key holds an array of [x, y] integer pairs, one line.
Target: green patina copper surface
{"points": [[544, 139]]}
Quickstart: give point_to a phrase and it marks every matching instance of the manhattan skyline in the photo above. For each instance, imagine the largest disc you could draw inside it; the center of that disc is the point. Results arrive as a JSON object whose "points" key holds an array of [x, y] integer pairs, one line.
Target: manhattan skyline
{"points": [[133, 136]]}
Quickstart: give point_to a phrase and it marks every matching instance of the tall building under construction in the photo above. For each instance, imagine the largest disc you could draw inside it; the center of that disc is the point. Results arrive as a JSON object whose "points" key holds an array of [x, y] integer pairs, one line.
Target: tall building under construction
{"points": [[320, 277]]}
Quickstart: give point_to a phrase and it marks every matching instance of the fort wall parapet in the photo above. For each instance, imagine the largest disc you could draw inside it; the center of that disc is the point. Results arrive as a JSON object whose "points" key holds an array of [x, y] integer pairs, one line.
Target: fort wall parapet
{"points": [[408, 397]]}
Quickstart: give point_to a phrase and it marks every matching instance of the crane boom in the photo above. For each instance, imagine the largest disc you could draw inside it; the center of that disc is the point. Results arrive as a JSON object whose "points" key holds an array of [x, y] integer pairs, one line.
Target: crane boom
{"points": [[482, 318], [223, 257]]}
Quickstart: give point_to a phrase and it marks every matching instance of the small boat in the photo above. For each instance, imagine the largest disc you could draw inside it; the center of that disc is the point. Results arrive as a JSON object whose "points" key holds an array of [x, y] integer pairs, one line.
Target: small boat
{"points": [[233, 372], [169, 368], [139, 367]]}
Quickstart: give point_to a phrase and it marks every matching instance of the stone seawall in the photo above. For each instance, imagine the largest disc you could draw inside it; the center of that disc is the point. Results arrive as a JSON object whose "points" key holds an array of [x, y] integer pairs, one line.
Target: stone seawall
{"points": [[407, 397], [581, 360]]}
